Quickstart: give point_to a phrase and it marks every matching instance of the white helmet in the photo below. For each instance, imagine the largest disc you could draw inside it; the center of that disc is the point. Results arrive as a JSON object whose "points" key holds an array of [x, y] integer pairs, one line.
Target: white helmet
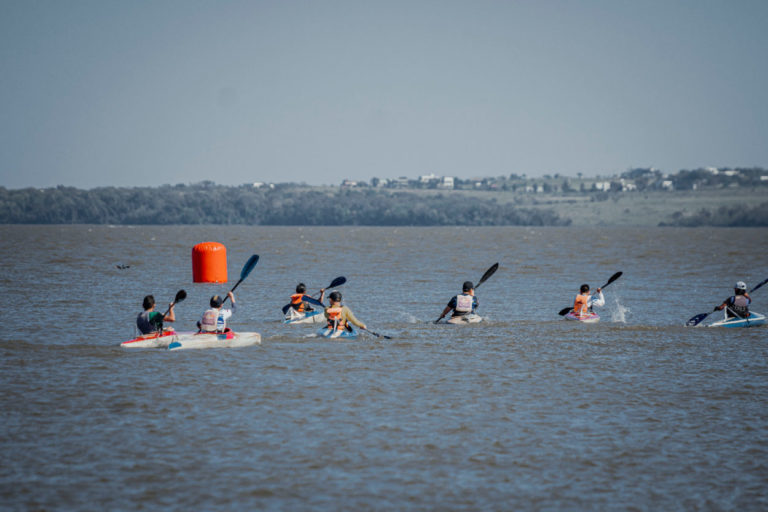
{"points": [[741, 285]]}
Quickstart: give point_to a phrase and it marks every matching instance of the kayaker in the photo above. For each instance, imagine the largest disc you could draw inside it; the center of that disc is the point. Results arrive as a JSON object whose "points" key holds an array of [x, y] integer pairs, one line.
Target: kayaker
{"points": [[297, 302], [150, 321], [463, 304], [215, 319], [738, 304], [338, 316], [585, 302]]}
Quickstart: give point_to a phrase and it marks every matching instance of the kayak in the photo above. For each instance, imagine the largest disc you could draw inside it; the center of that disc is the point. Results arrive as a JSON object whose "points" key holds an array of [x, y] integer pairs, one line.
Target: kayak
{"points": [[330, 332], [305, 317], [464, 319], [589, 318], [753, 320], [229, 339], [153, 340]]}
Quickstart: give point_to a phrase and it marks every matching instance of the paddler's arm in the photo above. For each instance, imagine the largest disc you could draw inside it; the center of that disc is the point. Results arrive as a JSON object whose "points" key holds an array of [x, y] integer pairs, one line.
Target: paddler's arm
{"points": [[171, 316], [450, 307], [350, 317], [598, 301]]}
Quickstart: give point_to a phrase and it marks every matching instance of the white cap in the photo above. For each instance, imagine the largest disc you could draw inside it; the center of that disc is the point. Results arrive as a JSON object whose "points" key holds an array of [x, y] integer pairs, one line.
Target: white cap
{"points": [[741, 285]]}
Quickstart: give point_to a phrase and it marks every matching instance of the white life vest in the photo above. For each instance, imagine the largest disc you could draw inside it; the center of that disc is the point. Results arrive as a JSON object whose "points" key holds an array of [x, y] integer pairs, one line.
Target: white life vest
{"points": [[464, 303], [210, 321]]}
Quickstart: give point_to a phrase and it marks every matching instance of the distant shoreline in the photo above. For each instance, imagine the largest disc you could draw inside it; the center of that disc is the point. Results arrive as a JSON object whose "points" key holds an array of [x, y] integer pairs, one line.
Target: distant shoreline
{"points": [[297, 205]]}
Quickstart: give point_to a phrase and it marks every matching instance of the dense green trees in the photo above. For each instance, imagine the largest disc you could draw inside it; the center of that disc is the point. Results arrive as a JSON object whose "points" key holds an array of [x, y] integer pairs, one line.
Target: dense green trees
{"points": [[208, 203], [724, 217]]}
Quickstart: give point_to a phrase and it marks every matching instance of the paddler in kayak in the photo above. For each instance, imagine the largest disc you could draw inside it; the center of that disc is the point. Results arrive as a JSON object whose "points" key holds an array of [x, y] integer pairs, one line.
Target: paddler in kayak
{"points": [[737, 305], [150, 321], [297, 299], [584, 302], [462, 304], [338, 316], [215, 319]]}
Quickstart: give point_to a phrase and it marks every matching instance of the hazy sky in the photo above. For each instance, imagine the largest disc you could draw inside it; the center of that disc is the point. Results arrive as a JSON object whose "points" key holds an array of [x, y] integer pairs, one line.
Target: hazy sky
{"points": [[141, 93]]}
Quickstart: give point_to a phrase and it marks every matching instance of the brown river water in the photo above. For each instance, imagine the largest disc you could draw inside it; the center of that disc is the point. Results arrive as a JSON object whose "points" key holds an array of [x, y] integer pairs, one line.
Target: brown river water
{"points": [[524, 411]]}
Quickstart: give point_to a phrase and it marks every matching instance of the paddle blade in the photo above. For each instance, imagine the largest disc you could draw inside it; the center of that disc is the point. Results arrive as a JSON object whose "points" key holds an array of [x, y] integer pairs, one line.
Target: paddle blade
{"points": [[758, 285], [488, 273], [696, 320], [613, 278], [378, 335], [286, 308], [252, 261], [180, 296], [337, 282], [564, 311], [307, 298]]}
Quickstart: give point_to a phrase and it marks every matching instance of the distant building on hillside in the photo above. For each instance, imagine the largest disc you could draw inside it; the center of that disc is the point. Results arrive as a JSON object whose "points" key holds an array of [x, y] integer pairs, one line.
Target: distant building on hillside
{"points": [[428, 178], [446, 182]]}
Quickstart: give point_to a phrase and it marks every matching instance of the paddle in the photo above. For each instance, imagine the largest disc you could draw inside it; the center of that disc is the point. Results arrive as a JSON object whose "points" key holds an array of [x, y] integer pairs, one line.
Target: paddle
{"points": [[696, 320], [306, 298], [252, 261], [488, 273], [614, 277], [377, 334], [180, 296]]}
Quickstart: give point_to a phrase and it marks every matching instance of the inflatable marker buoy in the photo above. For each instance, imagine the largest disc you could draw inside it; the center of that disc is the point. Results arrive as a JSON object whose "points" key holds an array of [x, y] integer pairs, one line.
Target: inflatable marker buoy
{"points": [[209, 263]]}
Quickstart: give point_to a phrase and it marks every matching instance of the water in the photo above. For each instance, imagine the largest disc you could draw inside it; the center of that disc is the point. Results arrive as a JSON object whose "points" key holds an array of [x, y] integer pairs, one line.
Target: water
{"points": [[523, 412]]}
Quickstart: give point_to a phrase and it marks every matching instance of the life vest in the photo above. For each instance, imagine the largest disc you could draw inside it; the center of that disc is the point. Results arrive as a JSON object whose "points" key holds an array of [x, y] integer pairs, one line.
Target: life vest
{"points": [[333, 313], [738, 306], [580, 305], [464, 303], [210, 321], [297, 302], [143, 323]]}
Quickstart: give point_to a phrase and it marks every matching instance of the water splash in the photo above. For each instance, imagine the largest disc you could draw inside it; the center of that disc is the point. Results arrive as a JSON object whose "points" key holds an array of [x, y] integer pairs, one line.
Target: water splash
{"points": [[619, 313]]}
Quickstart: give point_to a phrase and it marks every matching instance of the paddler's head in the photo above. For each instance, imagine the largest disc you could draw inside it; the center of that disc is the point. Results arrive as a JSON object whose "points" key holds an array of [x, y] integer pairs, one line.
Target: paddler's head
{"points": [[467, 287], [740, 288], [584, 288], [301, 288], [335, 297], [149, 302], [216, 301]]}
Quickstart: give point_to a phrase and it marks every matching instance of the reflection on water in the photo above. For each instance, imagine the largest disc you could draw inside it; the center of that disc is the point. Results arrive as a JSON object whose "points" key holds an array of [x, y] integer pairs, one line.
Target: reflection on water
{"points": [[524, 411]]}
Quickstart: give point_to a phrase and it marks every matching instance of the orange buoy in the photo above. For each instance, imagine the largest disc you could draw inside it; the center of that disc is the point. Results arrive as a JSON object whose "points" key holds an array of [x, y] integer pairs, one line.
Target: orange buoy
{"points": [[209, 263]]}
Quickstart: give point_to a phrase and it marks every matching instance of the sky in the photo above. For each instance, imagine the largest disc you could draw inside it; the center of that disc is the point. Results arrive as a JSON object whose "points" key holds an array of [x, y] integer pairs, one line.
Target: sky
{"points": [[143, 93]]}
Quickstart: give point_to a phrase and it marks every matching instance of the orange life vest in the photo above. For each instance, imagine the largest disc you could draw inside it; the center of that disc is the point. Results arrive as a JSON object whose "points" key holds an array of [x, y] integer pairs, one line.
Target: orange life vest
{"points": [[580, 305], [297, 302], [334, 317]]}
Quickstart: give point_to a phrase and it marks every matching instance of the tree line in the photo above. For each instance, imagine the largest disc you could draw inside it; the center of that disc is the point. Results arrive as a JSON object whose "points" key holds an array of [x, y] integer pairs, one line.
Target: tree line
{"points": [[287, 204], [724, 216]]}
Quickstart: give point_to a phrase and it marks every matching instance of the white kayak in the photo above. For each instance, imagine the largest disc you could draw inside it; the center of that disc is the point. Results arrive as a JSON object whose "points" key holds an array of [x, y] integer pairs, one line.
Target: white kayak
{"points": [[465, 319], [304, 317], [589, 318], [753, 320], [230, 339], [155, 340]]}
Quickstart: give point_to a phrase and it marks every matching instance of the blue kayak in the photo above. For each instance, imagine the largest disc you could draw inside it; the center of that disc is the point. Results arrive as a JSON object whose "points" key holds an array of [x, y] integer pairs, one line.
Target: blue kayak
{"points": [[329, 332], [753, 320]]}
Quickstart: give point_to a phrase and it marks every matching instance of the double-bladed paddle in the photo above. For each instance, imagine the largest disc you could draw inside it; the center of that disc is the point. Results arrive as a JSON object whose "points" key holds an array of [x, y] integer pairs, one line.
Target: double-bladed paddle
{"points": [[180, 296], [307, 298], [696, 320], [614, 277], [252, 261], [488, 273]]}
